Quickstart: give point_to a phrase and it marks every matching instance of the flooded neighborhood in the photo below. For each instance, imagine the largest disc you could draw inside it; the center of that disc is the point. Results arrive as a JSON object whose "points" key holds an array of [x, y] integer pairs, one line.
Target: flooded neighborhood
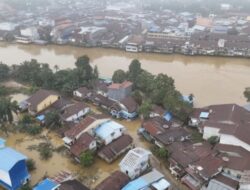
{"points": [[124, 95]]}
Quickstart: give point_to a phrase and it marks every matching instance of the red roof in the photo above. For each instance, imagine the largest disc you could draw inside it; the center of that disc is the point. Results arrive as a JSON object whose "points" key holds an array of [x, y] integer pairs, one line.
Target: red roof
{"points": [[82, 144], [75, 130]]}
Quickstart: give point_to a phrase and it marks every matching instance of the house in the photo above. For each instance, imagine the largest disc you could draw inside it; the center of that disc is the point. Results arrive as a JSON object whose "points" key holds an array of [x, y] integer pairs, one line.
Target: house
{"points": [[126, 108], [151, 180], [229, 122], [13, 169], [116, 181], [41, 100], [236, 160], [108, 131], [47, 184], [162, 133], [74, 112], [183, 154], [75, 132], [119, 91], [72, 185], [102, 101], [116, 148], [222, 182], [135, 162], [200, 172], [245, 181], [84, 143], [82, 93]]}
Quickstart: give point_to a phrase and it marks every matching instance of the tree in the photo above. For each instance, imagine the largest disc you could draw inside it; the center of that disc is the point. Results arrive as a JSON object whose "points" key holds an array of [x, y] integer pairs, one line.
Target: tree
{"points": [[82, 61], [134, 70], [119, 76], [96, 72], [7, 108], [144, 109], [213, 140], [31, 165], [247, 94], [56, 67], [52, 120], [86, 159], [145, 82], [4, 72]]}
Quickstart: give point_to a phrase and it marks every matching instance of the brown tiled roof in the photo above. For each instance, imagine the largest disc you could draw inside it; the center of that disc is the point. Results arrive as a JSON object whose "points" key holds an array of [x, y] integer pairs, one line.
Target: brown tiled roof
{"points": [[73, 109], [209, 166], [185, 153], [153, 128], [231, 119], [172, 135], [38, 97], [78, 128], [103, 100], [130, 104], [116, 181], [227, 181], [82, 144], [72, 185], [84, 90], [116, 147]]}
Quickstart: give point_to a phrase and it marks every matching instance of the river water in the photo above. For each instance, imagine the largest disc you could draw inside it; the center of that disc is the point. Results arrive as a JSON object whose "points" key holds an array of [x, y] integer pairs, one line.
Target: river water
{"points": [[212, 80]]}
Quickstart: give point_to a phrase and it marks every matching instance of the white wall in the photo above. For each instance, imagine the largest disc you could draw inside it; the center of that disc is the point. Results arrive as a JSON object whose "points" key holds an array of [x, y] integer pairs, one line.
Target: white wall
{"points": [[117, 133], [78, 115], [231, 140], [4, 176], [78, 94], [210, 131]]}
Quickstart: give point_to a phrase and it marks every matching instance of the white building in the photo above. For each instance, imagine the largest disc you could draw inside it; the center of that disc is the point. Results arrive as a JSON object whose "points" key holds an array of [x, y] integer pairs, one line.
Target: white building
{"points": [[30, 33], [109, 131], [229, 122], [135, 162]]}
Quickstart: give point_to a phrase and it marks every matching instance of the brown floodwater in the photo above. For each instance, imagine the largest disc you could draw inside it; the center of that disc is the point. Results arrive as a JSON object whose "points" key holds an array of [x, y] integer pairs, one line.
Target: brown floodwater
{"points": [[62, 162], [212, 80]]}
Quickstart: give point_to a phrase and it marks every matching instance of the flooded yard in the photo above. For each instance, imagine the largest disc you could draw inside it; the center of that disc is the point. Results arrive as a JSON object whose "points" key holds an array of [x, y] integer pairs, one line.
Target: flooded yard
{"points": [[62, 161]]}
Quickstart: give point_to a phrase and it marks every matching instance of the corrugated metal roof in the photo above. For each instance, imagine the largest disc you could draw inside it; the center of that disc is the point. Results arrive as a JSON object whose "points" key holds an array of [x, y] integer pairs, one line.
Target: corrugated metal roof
{"points": [[9, 157], [144, 181], [47, 184], [107, 128]]}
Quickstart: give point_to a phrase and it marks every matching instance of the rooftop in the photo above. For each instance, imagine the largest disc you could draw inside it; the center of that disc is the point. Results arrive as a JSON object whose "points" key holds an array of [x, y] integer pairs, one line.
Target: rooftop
{"points": [[47, 184], [107, 128], [9, 157]]}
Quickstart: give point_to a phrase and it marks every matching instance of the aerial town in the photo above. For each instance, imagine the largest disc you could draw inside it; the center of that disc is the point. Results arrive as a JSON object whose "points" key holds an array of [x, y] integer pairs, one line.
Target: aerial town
{"points": [[75, 129]]}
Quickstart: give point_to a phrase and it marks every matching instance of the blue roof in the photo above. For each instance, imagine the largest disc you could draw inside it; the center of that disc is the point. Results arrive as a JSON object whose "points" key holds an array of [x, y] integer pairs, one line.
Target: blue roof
{"points": [[104, 130], [168, 116], [9, 157], [136, 184], [46, 184], [204, 115], [40, 117]]}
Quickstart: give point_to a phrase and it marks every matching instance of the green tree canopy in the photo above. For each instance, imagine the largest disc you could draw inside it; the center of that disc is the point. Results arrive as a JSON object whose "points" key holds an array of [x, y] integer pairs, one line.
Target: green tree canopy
{"points": [[87, 159], [119, 76], [134, 71], [4, 72]]}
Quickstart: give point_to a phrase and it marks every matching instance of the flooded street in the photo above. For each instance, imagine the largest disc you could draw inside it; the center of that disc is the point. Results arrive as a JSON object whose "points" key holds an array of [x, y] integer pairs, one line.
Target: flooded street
{"points": [[212, 80]]}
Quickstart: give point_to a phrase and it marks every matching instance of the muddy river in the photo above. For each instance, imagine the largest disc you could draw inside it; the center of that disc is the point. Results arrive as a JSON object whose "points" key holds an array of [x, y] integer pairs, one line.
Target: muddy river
{"points": [[211, 79]]}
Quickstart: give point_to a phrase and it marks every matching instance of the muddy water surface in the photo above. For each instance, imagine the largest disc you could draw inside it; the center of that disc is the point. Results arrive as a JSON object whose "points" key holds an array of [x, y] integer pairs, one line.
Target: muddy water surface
{"points": [[211, 79]]}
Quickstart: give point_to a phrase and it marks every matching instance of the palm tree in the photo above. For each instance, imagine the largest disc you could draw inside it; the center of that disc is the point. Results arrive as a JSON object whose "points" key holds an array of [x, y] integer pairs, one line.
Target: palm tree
{"points": [[7, 108]]}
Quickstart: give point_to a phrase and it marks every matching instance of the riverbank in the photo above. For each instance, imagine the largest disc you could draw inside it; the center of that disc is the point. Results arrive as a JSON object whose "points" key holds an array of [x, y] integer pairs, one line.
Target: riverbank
{"points": [[224, 79]]}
